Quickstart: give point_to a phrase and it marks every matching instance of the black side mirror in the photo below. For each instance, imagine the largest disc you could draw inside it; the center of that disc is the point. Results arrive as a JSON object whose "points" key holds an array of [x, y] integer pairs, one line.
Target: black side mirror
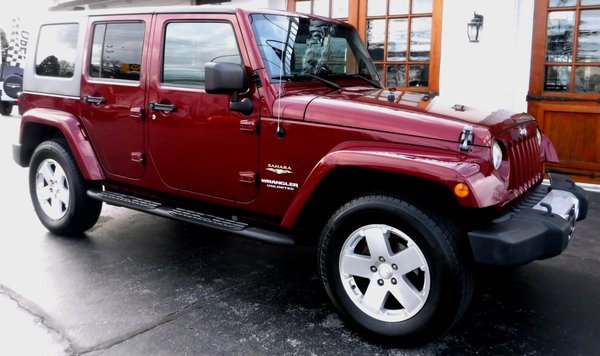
{"points": [[228, 78]]}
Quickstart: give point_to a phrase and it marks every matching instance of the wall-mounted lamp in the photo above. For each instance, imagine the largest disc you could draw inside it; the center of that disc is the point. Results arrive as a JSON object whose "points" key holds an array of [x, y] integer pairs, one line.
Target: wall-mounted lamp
{"points": [[474, 27]]}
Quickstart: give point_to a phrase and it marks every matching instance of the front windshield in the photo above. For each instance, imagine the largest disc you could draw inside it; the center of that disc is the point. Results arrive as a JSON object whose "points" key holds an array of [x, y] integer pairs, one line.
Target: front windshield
{"points": [[299, 47]]}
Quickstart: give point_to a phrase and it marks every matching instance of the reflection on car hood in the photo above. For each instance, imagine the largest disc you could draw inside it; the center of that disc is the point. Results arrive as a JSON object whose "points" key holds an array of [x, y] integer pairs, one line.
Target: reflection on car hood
{"points": [[409, 113]]}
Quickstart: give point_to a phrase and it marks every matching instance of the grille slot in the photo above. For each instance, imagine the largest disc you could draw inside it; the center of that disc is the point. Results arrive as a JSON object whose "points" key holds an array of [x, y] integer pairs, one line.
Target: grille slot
{"points": [[525, 166]]}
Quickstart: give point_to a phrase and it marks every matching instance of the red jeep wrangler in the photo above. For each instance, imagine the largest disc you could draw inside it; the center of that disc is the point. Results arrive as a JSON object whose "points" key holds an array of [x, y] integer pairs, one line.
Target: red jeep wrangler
{"points": [[275, 126]]}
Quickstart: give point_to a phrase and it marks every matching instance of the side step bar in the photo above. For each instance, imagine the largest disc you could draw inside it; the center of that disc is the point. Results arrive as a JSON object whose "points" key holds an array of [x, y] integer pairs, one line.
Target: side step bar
{"points": [[194, 217]]}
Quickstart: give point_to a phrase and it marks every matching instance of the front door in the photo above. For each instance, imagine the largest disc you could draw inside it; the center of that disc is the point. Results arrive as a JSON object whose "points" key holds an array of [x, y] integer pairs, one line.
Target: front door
{"points": [[196, 142], [564, 92], [112, 91]]}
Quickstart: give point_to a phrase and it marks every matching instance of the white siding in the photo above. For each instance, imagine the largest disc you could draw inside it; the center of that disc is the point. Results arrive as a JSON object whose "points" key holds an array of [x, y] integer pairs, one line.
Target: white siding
{"points": [[493, 73]]}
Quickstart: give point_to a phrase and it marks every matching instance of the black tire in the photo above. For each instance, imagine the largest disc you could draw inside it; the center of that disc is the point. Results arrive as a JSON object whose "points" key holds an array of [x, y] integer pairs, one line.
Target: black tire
{"points": [[67, 210], [439, 289], [5, 108]]}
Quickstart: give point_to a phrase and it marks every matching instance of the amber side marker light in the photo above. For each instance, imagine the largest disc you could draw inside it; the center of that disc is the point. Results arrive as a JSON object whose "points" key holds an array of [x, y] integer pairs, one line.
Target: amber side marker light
{"points": [[461, 190]]}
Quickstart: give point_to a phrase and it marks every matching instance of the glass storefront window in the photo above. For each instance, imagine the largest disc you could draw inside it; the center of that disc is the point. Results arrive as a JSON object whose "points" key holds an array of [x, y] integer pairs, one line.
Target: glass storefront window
{"points": [[588, 36], [573, 47], [558, 78], [559, 47], [422, 6], [587, 80], [376, 39], [337, 9], [399, 39], [562, 3]]}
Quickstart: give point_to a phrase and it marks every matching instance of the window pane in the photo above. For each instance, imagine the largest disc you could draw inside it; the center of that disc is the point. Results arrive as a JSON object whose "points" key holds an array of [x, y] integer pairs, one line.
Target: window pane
{"points": [[588, 48], [376, 7], [376, 38], [560, 3], [587, 79], [559, 47], [339, 9], [422, 6], [420, 39], [55, 55], [122, 51], [189, 46], [590, 2], [379, 68], [96, 57], [558, 78], [321, 7], [418, 75], [398, 7], [397, 43], [303, 6], [396, 76]]}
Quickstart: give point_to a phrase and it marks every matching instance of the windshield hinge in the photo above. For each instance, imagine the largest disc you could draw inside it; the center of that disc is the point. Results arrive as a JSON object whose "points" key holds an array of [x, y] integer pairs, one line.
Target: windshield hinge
{"points": [[466, 138], [256, 79]]}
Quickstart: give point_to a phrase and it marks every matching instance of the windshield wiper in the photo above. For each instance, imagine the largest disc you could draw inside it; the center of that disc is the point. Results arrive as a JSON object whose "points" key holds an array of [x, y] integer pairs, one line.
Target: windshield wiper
{"points": [[374, 83], [308, 75]]}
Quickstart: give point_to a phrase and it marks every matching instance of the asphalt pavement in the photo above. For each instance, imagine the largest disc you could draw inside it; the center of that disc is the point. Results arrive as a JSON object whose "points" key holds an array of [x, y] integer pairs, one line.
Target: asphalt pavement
{"points": [[143, 285]]}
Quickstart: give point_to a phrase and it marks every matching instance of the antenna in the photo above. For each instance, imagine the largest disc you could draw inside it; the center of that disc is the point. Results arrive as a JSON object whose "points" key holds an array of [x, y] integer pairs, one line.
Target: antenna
{"points": [[287, 52]]}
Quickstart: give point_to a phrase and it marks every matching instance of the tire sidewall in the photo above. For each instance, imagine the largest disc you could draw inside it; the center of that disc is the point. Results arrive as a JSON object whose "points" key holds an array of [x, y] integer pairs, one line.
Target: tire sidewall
{"points": [[6, 108], [439, 310]]}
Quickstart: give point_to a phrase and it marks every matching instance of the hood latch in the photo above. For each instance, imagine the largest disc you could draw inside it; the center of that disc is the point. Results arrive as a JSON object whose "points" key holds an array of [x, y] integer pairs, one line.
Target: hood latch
{"points": [[466, 138]]}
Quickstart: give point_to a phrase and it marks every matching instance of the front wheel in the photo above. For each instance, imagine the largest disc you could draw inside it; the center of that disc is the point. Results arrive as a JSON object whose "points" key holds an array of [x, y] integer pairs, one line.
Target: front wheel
{"points": [[395, 269], [58, 191]]}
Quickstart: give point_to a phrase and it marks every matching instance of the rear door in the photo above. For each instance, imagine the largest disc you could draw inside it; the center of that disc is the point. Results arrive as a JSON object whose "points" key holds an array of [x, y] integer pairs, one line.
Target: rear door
{"points": [[112, 91], [196, 142]]}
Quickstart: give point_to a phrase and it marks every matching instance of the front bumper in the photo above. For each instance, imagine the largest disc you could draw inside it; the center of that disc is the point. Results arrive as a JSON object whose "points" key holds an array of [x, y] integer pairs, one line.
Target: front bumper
{"points": [[530, 233]]}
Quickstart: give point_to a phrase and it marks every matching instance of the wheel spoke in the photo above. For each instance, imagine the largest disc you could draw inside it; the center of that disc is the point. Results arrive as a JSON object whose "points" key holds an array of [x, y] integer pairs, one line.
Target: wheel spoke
{"points": [[378, 242], [63, 196], [356, 265], [44, 193], [46, 172], [60, 176], [375, 296], [407, 260], [57, 207], [407, 295]]}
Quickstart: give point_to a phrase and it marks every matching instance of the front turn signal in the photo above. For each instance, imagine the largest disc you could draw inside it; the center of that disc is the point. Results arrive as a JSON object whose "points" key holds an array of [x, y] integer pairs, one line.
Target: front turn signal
{"points": [[461, 190]]}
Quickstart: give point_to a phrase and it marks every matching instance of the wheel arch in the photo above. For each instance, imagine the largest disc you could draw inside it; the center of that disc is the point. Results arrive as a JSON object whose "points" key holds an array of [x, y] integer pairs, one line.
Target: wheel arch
{"points": [[335, 189], [430, 174], [39, 125]]}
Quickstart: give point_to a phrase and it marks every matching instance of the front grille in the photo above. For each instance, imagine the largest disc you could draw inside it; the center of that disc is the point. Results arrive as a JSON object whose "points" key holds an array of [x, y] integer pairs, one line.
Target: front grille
{"points": [[524, 158]]}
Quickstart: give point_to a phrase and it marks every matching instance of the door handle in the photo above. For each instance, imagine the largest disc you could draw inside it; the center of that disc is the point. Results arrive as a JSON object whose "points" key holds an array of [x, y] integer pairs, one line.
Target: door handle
{"points": [[94, 99], [162, 107]]}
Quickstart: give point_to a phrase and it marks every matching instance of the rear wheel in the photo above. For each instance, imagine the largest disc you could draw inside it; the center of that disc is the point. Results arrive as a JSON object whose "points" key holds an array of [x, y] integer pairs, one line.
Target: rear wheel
{"points": [[58, 191], [5, 108], [395, 269]]}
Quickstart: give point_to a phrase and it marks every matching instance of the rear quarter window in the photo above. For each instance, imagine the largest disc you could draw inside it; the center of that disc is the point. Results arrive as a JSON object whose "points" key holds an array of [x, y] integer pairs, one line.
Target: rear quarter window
{"points": [[56, 50]]}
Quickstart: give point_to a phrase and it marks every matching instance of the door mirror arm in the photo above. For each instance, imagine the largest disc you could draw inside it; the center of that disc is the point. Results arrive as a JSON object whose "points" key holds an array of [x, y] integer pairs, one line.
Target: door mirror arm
{"points": [[244, 106]]}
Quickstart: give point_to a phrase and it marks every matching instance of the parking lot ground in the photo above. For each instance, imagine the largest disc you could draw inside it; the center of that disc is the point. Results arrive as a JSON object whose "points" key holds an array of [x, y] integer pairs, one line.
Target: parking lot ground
{"points": [[138, 284]]}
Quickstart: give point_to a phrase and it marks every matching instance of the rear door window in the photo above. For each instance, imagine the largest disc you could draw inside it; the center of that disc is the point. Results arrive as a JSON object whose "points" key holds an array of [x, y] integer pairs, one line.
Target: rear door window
{"points": [[117, 51]]}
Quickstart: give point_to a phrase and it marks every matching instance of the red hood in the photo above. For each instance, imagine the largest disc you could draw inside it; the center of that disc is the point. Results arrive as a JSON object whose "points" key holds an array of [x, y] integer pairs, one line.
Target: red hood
{"points": [[406, 113]]}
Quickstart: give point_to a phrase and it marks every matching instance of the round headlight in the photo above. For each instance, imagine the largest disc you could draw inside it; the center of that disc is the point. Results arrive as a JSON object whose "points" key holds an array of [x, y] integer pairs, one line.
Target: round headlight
{"points": [[497, 155], [539, 136]]}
